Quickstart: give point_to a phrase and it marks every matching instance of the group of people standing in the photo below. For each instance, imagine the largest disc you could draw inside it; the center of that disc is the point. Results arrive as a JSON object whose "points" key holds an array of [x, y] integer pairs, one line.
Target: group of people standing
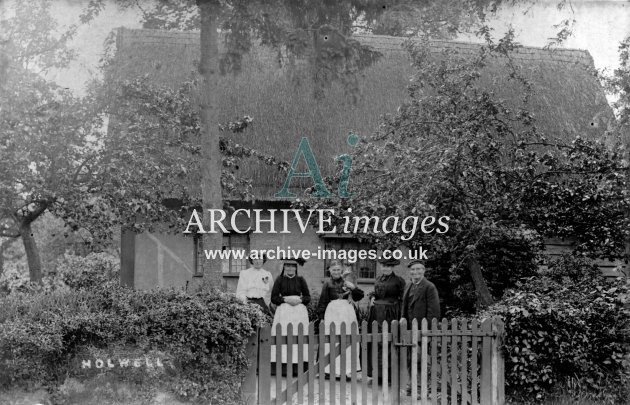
{"points": [[392, 299]]}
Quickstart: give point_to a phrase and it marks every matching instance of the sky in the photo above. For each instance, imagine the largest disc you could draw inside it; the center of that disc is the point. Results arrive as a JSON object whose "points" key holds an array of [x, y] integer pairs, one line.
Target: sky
{"points": [[599, 28], [600, 25]]}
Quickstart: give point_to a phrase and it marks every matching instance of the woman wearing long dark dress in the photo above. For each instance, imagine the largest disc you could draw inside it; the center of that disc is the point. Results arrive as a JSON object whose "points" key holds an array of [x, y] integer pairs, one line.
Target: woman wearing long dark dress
{"points": [[385, 303], [335, 306], [290, 293]]}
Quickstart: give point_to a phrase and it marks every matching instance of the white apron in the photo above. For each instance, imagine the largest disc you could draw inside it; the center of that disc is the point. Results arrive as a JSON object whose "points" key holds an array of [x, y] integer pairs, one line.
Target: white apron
{"points": [[288, 314], [341, 311]]}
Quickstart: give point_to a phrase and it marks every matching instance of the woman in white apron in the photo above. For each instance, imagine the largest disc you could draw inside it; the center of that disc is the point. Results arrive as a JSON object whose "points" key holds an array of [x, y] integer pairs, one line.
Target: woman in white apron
{"points": [[335, 306], [290, 293]]}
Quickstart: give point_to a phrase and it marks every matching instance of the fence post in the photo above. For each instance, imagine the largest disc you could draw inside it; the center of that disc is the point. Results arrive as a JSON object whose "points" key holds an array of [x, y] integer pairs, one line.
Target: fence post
{"points": [[264, 365], [249, 388], [498, 364], [486, 391]]}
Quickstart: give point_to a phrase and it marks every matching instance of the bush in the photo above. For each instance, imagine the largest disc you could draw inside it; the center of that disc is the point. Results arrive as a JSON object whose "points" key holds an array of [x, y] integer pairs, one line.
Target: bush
{"points": [[71, 271], [90, 271], [311, 308], [563, 329], [41, 334], [571, 268], [504, 259]]}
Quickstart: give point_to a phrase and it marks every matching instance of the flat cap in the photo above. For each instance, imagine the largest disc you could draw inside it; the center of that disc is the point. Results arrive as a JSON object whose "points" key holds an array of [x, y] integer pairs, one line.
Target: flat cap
{"points": [[389, 262]]}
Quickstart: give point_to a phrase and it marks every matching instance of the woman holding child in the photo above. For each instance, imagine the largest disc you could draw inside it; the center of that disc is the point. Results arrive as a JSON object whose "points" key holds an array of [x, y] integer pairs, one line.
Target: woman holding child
{"points": [[336, 307]]}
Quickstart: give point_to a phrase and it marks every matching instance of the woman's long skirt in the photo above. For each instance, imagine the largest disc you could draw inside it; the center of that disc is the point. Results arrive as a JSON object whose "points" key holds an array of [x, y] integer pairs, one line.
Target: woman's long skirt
{"points": [[379, 312], [288, 314], [338, 312]]}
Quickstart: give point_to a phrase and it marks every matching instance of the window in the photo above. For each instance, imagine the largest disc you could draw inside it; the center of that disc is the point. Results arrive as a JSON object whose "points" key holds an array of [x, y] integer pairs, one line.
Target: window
{"points": [[363, 268], [235, 242]]}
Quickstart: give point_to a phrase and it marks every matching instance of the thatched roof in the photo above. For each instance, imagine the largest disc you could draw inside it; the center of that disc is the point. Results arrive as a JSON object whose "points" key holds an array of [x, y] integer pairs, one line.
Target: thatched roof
{"points": [[567, 98]]}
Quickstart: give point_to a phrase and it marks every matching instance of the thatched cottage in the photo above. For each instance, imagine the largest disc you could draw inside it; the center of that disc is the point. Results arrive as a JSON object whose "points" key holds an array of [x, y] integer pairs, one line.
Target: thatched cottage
{"points": [[568, 100]]}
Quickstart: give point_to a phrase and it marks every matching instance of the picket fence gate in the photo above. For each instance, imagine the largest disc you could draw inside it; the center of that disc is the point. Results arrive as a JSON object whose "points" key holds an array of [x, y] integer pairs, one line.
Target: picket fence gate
{"points": [[456, 362]]}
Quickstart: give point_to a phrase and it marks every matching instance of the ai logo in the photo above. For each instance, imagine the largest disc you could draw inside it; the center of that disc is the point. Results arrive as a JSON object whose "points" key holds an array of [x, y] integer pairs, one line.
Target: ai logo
{"points": [[313, 172]]}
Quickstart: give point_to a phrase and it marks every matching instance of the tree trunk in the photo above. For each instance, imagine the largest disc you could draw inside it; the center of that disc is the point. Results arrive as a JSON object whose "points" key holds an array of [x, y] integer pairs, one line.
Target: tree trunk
{"points": [[627, 140], [212, 161], [3, 246], [483, 293], [32, 254]]}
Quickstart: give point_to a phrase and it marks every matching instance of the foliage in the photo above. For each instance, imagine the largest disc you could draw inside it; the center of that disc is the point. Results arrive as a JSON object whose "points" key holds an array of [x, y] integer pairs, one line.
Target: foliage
{"points": [[316, 31], [89, 272], [571, 267], [619, 84], [141, 183], [66, 271], [34, 39], [42, 334], [44, 146], [44, 128], [53, 238], [505, 260], [55, 157], [454, 149], [311, 308], [16, 280], [558, 331], [47, 135], [296, 20]]}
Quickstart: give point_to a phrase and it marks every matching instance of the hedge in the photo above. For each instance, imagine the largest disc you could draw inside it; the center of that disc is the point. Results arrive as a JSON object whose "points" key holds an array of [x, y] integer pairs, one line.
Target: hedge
{"points": [[41, 335], [568, 328]]}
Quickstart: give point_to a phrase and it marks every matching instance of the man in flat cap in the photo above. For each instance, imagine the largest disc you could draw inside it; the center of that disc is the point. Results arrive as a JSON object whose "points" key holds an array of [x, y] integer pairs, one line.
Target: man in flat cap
{"points": [[420, 299]]}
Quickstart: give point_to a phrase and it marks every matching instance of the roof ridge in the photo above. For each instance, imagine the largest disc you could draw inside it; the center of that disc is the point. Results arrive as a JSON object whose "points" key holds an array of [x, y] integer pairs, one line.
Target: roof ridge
{"points": [[386, 43], [195, 33], [452, 42]]}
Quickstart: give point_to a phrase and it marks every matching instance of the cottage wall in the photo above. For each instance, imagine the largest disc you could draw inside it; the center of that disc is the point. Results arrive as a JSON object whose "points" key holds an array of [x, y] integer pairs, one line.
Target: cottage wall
{"points": [[162, 260], [554, 248]]}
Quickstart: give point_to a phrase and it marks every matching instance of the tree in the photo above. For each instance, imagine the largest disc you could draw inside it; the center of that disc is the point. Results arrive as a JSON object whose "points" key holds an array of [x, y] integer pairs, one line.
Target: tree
{"points": [[43, 143], [54, 156], [619, 86], [31, 38], [318, 31], [4, 244], [455, 150], [209, 70], [31, 44], [45, 132]]}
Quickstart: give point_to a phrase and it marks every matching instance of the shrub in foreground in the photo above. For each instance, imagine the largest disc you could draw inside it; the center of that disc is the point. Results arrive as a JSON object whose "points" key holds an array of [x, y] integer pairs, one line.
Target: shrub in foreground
{"points": [[42, 334], [566, 330]]}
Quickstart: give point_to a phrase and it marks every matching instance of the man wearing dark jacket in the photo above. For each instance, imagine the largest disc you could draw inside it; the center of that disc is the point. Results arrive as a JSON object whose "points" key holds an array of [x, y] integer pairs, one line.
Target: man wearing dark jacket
{"points": [[420, 299]]}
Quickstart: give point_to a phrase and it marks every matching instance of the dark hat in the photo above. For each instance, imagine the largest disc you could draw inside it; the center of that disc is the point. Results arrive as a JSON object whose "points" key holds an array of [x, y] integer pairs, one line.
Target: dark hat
{"points": [[292, 263], [300, 261], [411, 263], [389, 262]]}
